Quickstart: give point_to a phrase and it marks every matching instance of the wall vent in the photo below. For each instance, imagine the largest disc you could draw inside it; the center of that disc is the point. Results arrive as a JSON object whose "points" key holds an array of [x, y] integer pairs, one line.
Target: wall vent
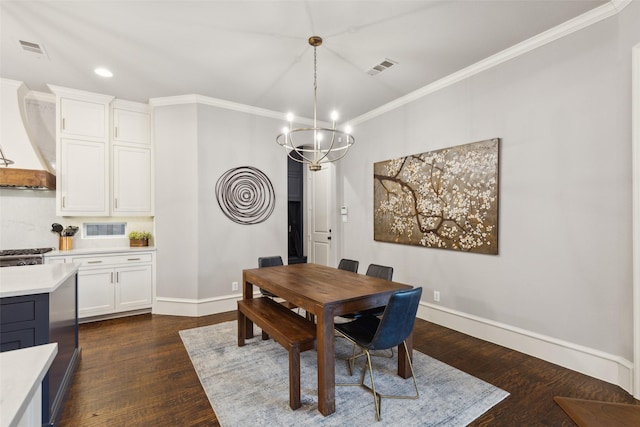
{"points": [[32, 47], [384, 65]]}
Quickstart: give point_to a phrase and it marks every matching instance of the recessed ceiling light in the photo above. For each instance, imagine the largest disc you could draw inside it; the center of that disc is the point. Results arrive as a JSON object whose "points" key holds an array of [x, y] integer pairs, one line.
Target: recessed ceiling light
{"points": [[103, 72]]}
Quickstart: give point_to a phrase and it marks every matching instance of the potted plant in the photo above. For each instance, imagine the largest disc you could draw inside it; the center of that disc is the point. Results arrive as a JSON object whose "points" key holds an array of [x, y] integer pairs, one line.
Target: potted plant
{"points": [[139, 238]]}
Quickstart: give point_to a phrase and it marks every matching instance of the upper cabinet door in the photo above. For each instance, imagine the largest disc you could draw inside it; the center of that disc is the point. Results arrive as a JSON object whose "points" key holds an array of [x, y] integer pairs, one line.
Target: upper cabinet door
{"points": [[83, 118], [132, 181], [83, 172], [131, 126]]}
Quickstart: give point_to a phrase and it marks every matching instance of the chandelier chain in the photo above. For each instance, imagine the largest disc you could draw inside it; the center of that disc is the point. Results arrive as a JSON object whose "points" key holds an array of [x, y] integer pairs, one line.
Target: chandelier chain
{"points": [[315, 84]]}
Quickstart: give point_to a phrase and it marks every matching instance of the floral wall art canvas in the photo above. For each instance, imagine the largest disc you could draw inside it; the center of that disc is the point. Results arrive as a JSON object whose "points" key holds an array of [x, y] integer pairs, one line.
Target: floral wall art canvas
{"points": [[444, 199]]}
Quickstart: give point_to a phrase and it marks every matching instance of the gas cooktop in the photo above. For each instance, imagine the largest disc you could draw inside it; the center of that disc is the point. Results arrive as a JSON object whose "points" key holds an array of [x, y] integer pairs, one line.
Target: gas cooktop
{"points": [[20, 252], [21, 257]]}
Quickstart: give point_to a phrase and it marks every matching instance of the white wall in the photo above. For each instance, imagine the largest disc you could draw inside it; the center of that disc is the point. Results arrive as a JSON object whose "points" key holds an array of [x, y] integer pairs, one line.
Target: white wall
{"points": [[176, 198], [229, 139], [200, 251], [563, 114]]}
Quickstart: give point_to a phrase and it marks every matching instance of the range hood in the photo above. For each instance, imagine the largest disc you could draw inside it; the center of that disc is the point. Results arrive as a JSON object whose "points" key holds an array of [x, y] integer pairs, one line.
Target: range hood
{"points": [[27, 137]]}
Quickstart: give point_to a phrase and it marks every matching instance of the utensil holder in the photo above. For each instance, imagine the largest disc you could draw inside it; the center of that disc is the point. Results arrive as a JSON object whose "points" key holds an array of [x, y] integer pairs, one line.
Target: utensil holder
{"points": [[66, 243]]}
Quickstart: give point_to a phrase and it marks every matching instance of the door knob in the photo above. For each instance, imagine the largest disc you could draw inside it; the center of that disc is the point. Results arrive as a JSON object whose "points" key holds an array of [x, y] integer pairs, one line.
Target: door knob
{"points": [[329, 238]]}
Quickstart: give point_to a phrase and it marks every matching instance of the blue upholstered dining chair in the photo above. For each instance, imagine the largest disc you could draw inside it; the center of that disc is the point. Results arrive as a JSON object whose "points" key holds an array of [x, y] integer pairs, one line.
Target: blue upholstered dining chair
{"points": [[269, 261], [373, 333], [348, 265]]}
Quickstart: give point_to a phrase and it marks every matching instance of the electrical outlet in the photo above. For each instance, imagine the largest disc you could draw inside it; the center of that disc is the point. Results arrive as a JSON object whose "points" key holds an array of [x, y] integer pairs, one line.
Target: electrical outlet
{"points": [[436, 296], [234, 286]]}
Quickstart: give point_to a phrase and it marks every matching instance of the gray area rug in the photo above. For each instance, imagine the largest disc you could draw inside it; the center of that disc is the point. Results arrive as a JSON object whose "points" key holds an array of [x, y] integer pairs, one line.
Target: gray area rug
{"points": [[248, 386]]}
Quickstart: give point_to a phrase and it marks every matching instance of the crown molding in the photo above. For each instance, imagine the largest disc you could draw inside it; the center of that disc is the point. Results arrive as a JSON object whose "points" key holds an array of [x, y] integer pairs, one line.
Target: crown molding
{"points": [[228, 105], [591, 17]]}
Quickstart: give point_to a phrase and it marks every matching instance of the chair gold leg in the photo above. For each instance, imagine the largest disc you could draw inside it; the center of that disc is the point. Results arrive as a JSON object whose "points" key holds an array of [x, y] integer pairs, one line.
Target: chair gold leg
{"points": [[376, 399]]}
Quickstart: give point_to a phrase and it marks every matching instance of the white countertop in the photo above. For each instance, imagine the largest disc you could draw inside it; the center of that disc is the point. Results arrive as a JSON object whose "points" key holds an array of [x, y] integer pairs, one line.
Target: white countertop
{"points": [[34, 279], [21, 372], [96, 251]]}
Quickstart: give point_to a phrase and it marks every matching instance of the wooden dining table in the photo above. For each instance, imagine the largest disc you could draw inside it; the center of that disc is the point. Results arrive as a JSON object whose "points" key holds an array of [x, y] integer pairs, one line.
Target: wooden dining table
{"points": [[325, 292]]}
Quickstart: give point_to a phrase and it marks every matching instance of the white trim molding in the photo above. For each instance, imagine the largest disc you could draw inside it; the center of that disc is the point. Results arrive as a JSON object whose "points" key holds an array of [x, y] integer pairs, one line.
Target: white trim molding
{"points": [[595, 363], [228, 105], [571, 26], [195, 307], [598, 364], [635, 195]]}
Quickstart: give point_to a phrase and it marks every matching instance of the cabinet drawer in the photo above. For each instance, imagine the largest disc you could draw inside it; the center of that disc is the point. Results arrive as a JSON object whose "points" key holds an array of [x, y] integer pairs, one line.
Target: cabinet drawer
{"points": [[22, 311], [133, 258], [14, 340]]}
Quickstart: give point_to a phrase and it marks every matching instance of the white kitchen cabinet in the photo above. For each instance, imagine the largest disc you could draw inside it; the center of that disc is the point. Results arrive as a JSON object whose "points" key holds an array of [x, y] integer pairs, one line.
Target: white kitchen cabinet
{"points": [[96, 292], [113, 290], [132, 160], [132, 187], [131, 123], [83, 119], [83, 187], [133, 287], [111, 284], [82, 154]]}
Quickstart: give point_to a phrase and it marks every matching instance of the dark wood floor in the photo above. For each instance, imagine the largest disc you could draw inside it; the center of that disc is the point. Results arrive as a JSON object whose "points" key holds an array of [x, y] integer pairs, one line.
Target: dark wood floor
{"points": [[135, 372]]}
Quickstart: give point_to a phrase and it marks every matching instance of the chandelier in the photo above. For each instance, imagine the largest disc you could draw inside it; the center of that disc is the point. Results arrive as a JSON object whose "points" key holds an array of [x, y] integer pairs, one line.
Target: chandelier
{"points": [[317, 145]]}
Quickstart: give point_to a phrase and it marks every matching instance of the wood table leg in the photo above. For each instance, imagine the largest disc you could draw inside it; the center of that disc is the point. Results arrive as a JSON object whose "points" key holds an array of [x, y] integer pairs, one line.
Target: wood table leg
{"points": [[404, 370], [326, 364], [242, 319], [247, 293]]}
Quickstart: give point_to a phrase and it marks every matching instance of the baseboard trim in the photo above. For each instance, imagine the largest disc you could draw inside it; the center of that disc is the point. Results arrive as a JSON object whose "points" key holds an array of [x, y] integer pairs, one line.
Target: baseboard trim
{"points": [[195, 308], [597, 364], [594, 363]]}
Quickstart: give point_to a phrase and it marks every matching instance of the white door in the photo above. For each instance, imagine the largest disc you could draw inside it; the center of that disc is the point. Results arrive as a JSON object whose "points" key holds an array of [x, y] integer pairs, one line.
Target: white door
{"points": [[321, 209]]}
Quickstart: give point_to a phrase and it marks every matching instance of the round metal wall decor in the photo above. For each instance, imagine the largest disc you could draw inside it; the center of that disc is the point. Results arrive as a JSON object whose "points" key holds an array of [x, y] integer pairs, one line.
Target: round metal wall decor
{"points": [[245, 195]]}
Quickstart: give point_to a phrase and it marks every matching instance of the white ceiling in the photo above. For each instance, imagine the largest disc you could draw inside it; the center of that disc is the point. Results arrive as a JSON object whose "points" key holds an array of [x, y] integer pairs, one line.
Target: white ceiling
{"points": [[256, 52]]}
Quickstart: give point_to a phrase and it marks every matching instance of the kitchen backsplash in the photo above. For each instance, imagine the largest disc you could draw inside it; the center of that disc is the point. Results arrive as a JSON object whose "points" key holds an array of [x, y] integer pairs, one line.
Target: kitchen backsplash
{"points": [[26, 217]]}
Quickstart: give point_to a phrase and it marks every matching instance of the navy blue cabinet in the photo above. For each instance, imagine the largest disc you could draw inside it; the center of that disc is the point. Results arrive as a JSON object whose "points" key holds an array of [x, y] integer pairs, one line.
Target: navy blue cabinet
{"points": [[37, 319]]}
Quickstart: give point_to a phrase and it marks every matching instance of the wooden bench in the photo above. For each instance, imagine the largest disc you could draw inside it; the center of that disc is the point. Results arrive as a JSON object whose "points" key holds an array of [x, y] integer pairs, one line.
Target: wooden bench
{"points": [[293, 332]]}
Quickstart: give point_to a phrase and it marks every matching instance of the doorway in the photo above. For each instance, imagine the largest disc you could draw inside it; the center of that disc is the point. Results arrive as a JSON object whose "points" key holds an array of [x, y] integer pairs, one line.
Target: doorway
{"points": [[295, 200]]}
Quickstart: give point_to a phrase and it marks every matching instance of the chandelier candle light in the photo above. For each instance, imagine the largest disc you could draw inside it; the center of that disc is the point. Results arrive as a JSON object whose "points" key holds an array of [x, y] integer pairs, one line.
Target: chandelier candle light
{"points": [[317, 145]]}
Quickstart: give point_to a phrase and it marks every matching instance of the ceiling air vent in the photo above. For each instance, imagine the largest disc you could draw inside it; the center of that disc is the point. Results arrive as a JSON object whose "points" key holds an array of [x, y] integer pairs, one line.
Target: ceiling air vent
{"points": [[31, 47], [384, 65]]}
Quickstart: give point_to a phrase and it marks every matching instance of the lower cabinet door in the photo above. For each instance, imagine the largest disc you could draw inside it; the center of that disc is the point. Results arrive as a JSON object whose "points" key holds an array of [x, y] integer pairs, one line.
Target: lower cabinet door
{"points": [[96, 292], [133, 287]]}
